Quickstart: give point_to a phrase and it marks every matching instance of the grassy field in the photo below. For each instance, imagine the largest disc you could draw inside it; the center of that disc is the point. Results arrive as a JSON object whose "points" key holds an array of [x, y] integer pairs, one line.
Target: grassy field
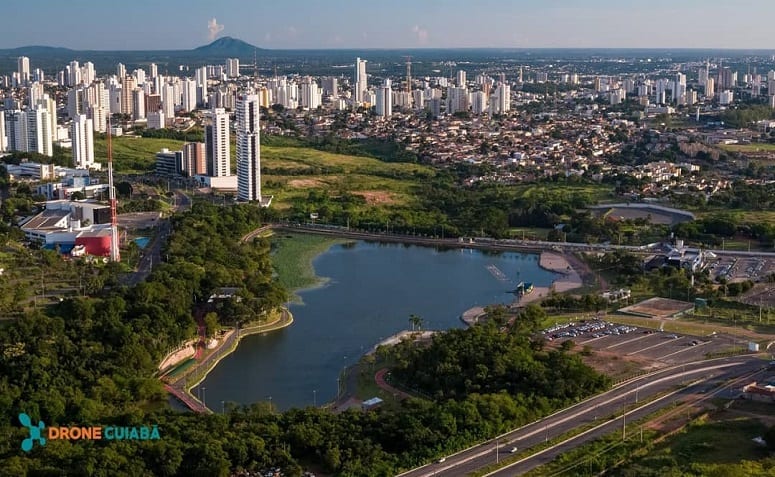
{"points": [[758, 147], [292, 258], [708, 445], [133, 154]]}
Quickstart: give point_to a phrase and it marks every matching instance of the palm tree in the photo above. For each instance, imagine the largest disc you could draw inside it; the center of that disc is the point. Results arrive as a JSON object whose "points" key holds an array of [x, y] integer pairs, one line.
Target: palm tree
{"points": [[416, 321]]}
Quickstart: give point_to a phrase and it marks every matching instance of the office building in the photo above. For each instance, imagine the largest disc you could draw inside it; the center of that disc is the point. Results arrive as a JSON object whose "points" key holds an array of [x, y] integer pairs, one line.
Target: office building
{"points": [[360, 84], [217, 148], [82, 136], [248, 148]]}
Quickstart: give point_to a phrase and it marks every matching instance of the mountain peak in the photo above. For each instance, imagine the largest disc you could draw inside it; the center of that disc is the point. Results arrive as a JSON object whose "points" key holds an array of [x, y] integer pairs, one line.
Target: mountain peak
{"points": [[228, 45]]}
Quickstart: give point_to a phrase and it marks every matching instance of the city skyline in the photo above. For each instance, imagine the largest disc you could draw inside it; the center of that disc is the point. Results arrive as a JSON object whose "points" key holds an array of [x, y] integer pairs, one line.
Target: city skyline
{"points": [[308, 24]]}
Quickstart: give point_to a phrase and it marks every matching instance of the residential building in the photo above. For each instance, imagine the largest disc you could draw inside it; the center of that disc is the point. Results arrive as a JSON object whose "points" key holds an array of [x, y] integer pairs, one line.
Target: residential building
{"points": [[194, 159], [384, 104], [361, 82], [232, 67], [82, 136], [217, 147], [248, 148], [23, 69]]}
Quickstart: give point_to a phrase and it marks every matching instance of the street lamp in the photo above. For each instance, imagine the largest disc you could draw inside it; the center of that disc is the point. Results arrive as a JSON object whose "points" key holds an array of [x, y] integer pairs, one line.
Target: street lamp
{"points": [[204, 400], [314, 398], [223, 407]]}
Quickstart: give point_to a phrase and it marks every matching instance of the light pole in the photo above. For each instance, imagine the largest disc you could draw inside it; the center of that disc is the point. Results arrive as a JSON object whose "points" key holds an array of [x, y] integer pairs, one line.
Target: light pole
{"points": [[496, 451], [314, 398], [223, 407], [204, 400]]}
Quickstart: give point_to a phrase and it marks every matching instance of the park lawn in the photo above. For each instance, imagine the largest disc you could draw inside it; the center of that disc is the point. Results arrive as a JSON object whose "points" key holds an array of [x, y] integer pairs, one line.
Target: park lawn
{"points": [[133, 154], [598, 193]]}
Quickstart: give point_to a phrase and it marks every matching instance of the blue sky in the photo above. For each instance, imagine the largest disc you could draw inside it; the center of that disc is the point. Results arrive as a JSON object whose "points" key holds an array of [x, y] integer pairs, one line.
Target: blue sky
{"points": [[176, 24]]}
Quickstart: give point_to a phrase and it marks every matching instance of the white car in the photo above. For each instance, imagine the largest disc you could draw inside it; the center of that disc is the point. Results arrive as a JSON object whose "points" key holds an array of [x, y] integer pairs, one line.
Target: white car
{"points": [[442, 460], [513, 450]]}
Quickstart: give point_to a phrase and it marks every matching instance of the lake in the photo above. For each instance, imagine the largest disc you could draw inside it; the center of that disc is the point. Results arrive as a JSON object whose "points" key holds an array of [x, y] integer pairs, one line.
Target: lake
{"points": [[372, 289]]}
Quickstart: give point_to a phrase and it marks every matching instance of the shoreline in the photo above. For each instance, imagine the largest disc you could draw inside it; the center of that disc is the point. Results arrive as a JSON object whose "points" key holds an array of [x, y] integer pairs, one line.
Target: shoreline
{"points": [[227, 346]]}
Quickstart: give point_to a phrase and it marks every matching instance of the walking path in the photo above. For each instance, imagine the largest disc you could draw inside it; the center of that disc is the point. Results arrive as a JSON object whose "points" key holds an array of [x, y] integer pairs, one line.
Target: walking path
{"points": [[180, 385], [379, 377]]}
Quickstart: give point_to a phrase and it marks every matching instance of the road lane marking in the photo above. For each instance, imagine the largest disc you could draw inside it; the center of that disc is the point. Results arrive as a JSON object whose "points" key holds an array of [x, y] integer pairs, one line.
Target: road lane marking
{"points": [[688, 348], [667, 341], [644, 336]]}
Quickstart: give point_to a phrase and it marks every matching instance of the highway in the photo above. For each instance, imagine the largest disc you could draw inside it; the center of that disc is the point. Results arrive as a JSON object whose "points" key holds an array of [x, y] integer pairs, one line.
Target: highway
{"points": [[592, 410]]}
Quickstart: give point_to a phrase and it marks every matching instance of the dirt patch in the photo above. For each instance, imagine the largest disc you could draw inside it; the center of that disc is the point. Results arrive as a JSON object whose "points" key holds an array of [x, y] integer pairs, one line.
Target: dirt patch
{"points": [[305, 183], [377, 197]]}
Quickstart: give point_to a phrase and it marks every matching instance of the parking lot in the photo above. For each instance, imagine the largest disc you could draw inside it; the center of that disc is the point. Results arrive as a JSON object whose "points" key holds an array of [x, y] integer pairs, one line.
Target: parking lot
{"points": [[630, 342], [738, 269]]}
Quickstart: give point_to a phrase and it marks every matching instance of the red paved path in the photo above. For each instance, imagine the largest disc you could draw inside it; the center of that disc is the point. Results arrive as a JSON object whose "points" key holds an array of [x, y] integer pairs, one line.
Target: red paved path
{"points": [[379, 377]]}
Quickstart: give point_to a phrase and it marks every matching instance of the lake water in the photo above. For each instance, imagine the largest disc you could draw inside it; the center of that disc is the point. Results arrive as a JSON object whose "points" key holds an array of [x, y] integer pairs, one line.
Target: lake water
{"points": [[372, 289]]}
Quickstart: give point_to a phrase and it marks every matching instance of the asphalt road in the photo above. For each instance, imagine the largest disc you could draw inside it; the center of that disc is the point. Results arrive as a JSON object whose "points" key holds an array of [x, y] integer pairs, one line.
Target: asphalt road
{"points": [[592, 410], [152, 253]]}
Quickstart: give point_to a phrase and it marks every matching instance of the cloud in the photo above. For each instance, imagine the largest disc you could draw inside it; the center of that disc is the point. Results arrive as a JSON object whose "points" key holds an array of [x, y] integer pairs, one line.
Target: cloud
{"points": [[421, 33], [214, 28]]}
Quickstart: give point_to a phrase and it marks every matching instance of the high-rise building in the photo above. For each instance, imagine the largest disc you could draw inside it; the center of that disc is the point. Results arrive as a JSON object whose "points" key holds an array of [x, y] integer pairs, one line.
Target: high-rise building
{"points": [[168, 100], [457, 100], [217, 146], [384, 104], [153, 70], [248, 148], [38, 132], [48, 103], [330, 86], [361, 82], [479, 102], [23, 69], [138, 104], [232, 67], [15, 130], [726, 97], [3, 137], [461, 78], [500, 100], [88, 73], [120, 70], [34, 93], [152, 103], [156, 119], [82, 135], [188, 87], [710, 88], [128, 85], [201, 86], [194, 159], [311, 94]]}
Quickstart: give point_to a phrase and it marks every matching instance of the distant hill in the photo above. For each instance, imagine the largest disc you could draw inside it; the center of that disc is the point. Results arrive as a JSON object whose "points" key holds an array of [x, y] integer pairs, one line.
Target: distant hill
{"points": [[227, 46], [37, 51]]}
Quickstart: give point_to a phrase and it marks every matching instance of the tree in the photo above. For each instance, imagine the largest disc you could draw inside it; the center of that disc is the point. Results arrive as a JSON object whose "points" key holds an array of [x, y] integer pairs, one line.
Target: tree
{"points": [[416, 322], [211, 324], [77, 195]]}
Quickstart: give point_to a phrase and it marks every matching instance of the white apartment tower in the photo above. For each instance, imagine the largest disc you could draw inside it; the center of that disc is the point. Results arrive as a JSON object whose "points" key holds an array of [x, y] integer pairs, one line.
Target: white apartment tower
{"points": [[232, 67], [217, 148], [3, 139], [385, 100], [361, 81], [24, 69], [38, 132], [248, 148], [82, 135]]}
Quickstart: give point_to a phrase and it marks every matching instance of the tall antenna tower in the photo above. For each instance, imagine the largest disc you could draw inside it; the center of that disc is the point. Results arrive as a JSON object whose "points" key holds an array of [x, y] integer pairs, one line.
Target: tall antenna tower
{"points": [[114, 252]]}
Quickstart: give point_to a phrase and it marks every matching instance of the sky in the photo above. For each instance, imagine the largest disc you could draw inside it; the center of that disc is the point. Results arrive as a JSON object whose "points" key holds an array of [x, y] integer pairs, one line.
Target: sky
{"points": [[303, 24]]}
